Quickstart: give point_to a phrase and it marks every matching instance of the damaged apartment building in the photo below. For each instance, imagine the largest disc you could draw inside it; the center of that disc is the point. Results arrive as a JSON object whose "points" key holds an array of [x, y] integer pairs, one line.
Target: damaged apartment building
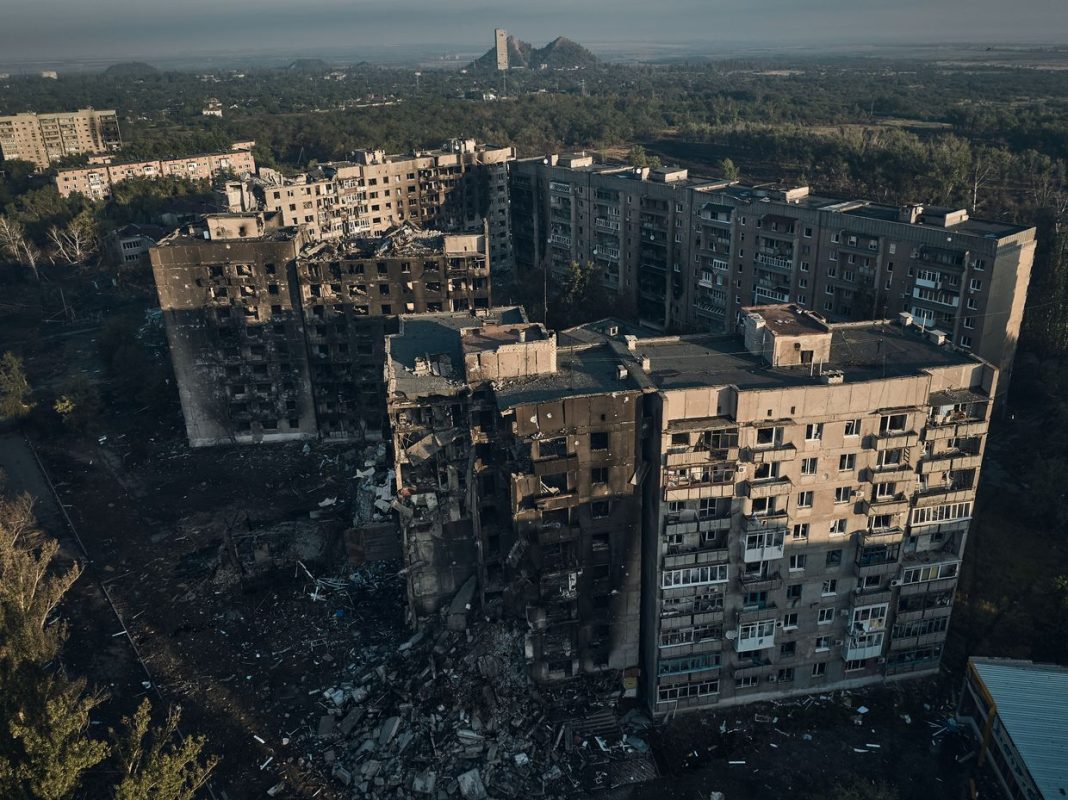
{"points": [[456, 187], [275, 338], [518, 480], [801, 493], [685, 253]]}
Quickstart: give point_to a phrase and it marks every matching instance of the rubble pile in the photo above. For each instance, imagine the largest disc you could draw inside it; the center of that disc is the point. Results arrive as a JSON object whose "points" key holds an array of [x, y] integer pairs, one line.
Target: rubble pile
{"points": [[451, 714]]}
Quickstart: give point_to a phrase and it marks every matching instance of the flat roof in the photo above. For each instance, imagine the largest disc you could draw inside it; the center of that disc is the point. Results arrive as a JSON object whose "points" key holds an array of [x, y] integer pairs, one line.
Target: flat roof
{"points": [[789, 320], [490, 336], [428, 337], [862, 352], [580, 371], [1032, 703], [757, 194]]}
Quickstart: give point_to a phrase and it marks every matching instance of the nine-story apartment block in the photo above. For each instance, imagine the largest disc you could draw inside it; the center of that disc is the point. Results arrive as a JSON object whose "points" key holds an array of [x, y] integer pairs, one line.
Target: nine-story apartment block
{"points": [[686, 254], [44, 138]]}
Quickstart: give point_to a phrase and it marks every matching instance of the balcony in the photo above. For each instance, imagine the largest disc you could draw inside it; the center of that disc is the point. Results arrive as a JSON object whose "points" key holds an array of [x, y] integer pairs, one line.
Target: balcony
{"points": [[775, 262], [699, 491], [610, 253], [942, 495], [913, 642], [559, 187], [606, 224], [773, 547], [866, 646], [949, 462], [888, 504], [890, 440], [934, 612], [775, 452], [760, 582], [697, 525], [774, 487], [955, 429], [696, 558], [755, 612], [752, 643], [756, 523], [558, 239], [929, 587], [761, 295]]}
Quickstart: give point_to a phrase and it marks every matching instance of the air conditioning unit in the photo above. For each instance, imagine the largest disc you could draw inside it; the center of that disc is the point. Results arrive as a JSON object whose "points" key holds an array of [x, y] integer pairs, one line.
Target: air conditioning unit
{"points": [[895, 582], [773, 678], [779, 624]]}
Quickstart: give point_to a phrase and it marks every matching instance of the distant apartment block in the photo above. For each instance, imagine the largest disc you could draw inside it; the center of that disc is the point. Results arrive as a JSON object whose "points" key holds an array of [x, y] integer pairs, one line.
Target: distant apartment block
{"points": [[44, 138], [500, 45], [97, 180], [275, 338], [453, 188], [686, 254]]}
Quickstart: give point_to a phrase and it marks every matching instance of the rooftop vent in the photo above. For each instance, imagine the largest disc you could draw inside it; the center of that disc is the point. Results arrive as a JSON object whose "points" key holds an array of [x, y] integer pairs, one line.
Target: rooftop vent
{"points": [[905, 318], [833, 377], [647, 363], [632, 342], [937, 336], [621, 372]]}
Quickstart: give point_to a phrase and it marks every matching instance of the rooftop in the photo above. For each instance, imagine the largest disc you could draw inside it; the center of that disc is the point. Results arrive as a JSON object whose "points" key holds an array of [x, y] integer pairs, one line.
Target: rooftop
{"points": [[402, 240], [1032, 703], [426, 356], [861, 351], [793, 196], [580, 371]]}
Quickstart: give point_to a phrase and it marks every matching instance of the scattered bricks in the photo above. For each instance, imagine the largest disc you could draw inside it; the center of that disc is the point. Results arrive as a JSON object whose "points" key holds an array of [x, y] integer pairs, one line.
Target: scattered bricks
{"points": [[471, 786], [461, 605], [327, 726], [371, 769], [343, 775], [424, 782], [389, 730], [350, 721]]}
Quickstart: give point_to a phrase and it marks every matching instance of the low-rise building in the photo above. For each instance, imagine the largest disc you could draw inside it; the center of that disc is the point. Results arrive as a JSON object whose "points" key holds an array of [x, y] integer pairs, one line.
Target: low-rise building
{"points": [[1018, 714], [129, 245]]}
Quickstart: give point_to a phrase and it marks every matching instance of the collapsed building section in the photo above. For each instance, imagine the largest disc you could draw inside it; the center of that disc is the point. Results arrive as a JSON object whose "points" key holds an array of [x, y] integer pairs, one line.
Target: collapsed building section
{"points": [[518, 473], [274, 338]]}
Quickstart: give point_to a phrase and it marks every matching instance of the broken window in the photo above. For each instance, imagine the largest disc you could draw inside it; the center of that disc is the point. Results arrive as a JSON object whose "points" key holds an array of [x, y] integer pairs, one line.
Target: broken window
{"points": [[599, 440], [552, 448], [599, 475], [601, 509]]}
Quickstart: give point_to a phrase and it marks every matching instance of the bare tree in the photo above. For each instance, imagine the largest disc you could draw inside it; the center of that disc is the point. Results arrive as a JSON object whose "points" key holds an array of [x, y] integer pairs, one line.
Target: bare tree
{"points": [[73, 245], [18, 246]]}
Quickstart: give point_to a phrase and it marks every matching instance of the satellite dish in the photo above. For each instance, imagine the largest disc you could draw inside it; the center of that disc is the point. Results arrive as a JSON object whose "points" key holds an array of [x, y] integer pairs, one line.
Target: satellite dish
{"points": [[732, 635]]}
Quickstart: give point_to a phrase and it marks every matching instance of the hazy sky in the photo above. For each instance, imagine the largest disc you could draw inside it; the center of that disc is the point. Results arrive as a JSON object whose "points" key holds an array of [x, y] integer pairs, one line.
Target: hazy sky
{"points": [[36, 29]]}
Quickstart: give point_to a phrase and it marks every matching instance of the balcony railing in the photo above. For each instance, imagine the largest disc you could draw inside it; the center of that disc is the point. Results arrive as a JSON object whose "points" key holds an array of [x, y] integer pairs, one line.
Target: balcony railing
{"points": [[776, 262]]}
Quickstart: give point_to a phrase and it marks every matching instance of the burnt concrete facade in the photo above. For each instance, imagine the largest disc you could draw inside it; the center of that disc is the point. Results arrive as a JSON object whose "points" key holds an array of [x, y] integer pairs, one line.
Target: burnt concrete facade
{"points": [[518, 467], [273, 338]]}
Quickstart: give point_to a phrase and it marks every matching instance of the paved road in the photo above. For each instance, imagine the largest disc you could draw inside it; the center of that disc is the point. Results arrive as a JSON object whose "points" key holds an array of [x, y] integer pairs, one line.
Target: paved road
{"points": [[21, 474]]}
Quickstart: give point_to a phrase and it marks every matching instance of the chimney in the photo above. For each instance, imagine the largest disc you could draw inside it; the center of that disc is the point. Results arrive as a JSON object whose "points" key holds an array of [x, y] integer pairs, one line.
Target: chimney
{"points": [[647, 363], [632, 342], [522, 335], [621, 372]]}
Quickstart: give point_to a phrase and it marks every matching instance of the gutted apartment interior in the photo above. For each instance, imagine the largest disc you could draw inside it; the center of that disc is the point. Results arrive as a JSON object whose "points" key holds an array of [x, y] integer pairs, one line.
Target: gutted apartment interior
{"points": [[274, 337], [232, 314], [518, 467]]}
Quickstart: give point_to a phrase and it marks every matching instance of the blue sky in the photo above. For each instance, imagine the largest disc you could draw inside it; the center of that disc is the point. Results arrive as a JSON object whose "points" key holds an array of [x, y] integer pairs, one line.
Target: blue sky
{"points": [[55, 28]]}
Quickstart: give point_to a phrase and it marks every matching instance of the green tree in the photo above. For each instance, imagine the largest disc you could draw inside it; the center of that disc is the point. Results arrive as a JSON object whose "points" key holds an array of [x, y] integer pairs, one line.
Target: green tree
{"points": [[14, 388], [79, 403], [729, 170], [154, 767], [45, 747]]}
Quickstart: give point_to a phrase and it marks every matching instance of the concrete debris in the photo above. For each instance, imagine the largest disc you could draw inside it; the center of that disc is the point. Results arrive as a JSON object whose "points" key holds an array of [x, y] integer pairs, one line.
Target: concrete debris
{"points": [[449, 714], [461, 605], [471, 786]]}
